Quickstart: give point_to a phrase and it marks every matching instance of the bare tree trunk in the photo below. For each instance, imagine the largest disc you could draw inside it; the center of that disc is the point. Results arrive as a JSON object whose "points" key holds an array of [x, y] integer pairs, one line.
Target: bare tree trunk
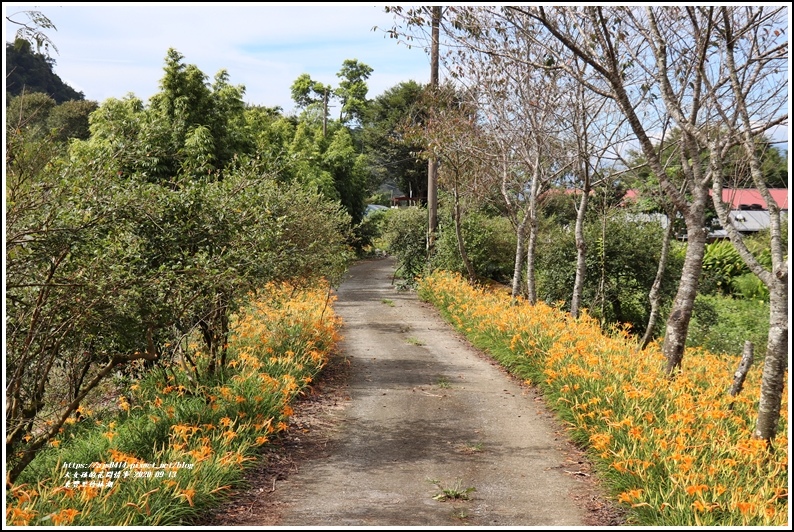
{"points": [[776, 359], [459, 234], [532, 295], [741, 372], [520, 227], [583, 155], [602, 279], [609, 66], [581, 249], [681, 313], [775, 364], [521, 238], [654, 295]]}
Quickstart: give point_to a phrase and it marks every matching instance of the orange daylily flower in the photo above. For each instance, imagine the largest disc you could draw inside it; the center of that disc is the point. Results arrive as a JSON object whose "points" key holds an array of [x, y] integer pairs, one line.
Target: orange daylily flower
{"points": [[188, 494], [64, 517]]}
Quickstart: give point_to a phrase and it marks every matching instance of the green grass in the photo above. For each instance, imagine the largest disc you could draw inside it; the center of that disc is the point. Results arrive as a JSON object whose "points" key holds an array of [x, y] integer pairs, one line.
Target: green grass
{"points": [[721, 324], [414, 341], [455, 491], [471, 448]]}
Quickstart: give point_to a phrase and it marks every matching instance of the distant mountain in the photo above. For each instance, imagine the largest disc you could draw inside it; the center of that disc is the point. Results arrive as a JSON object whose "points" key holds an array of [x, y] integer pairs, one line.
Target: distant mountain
{"points": [[33, 72]]}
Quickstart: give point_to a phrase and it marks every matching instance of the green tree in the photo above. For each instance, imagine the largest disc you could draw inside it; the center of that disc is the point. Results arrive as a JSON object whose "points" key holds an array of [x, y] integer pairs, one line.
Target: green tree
{"points": [[352, 90], [189, 126], [271, 134], [349, 172], [310, 95], [30, 146], [114, 141], [330, 165], [70, 120], [151, 231], [200, 123], [313, 96], [41, 115], [29, 111], [394, 157], [405, 237], [306, 160]]}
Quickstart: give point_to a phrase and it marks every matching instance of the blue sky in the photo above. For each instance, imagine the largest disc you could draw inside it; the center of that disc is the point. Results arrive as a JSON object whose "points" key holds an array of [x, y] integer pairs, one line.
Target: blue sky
{"points": [[109, 50]]}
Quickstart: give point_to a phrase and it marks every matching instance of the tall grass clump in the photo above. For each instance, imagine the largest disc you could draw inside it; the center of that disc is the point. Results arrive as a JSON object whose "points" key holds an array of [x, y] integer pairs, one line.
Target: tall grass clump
{"points": [[181, 440], [675, 452]]}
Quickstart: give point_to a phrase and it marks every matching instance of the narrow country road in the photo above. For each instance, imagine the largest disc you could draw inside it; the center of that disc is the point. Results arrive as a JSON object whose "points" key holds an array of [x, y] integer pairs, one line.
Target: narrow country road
{"points": [[417, 411]]}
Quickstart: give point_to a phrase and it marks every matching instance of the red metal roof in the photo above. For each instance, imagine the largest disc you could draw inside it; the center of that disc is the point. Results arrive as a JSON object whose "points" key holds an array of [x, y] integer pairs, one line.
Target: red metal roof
{"points": [[743, 196], [751, 196]]}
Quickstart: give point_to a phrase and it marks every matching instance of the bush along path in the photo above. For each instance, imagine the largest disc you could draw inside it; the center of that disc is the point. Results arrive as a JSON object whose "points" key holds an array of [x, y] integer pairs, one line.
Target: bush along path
{"points": [[410, 426], [180, 442]]}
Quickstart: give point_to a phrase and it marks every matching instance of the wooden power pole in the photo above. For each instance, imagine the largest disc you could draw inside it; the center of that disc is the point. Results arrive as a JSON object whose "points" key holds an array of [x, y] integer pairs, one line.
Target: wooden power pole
{"points": [[432, 164]]}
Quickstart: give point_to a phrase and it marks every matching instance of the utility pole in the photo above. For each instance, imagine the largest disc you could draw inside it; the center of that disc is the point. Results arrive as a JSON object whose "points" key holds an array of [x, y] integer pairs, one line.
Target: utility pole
{"points": [[325, 109], [432, 163]]}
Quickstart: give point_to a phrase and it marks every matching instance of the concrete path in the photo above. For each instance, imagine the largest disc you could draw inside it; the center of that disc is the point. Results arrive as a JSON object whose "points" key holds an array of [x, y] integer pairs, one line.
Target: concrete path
{"points": [[425, 407]]}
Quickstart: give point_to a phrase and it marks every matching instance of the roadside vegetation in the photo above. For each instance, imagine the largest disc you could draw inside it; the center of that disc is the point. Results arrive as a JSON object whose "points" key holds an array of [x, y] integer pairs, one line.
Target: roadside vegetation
{"points": [[170, 263], [168, 293], [178, 440], [675, 452], [729, 310]]}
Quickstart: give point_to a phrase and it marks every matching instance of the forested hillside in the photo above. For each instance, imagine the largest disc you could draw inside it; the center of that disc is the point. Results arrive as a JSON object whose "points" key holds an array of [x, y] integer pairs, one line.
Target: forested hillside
{"points": [[30, 71]]}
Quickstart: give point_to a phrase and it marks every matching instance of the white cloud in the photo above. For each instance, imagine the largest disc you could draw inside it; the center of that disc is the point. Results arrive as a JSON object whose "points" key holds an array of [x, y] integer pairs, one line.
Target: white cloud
{"points": [[109, 50]]}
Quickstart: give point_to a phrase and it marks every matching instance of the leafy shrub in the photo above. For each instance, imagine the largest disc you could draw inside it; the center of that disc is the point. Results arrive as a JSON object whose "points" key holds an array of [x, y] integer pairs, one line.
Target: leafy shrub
{"points": [[721, 263], [749, 286], [490, 244], [367, 233], [138, 266], [724, 270], [627, 260], [210, 426], [721, 324], [405, 237]]}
